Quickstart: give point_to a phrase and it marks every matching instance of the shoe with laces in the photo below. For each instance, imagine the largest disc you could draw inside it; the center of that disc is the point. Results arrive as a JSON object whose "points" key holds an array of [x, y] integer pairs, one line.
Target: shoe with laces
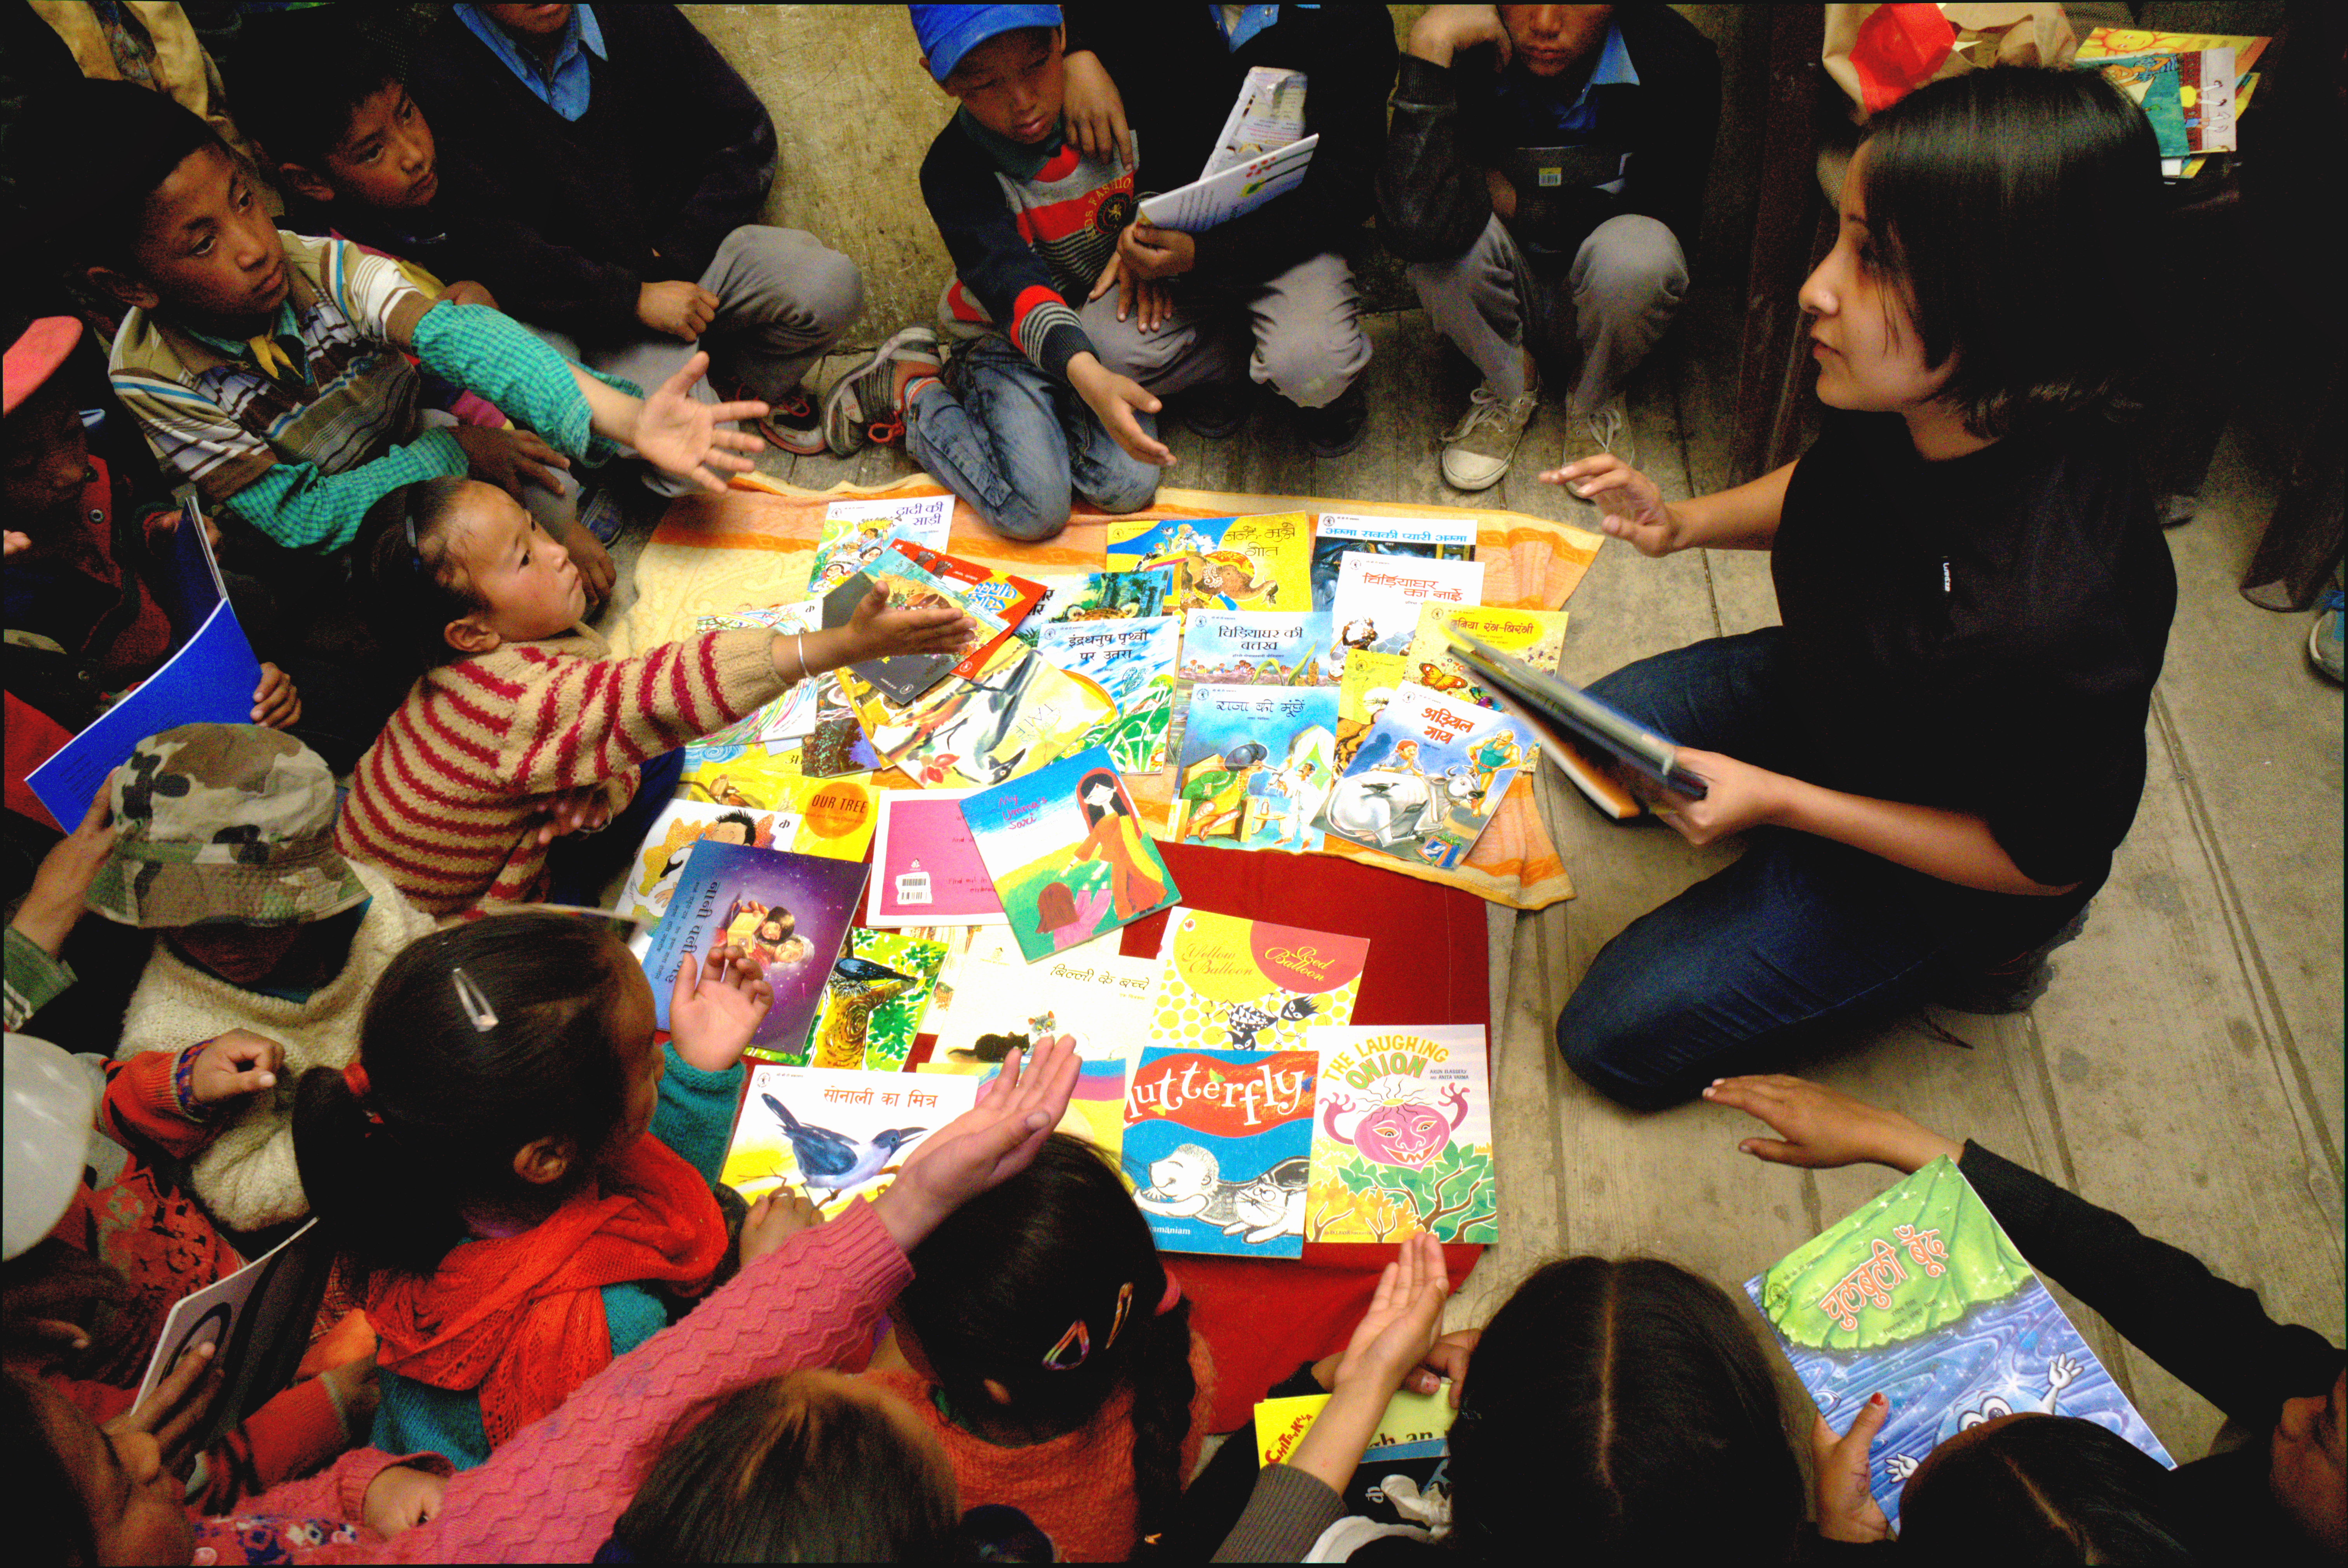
{"points": [[870, 402], [1606, 428], [2323, 637], [1213, 411], [1478, 450], [794, 421]]}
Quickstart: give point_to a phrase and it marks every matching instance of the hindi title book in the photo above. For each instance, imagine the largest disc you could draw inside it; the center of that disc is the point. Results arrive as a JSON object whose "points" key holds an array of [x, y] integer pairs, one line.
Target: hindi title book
{"points": [[925, 869], [1535, 636], [834, 1137], [1379, 596], [1427, 776], [1218, 1146], [1261, 562], [988, 590], [1017, 714], [1093, 995], [1096, 596], [856, 532], [790, 717], [1132, 661], [840, 811], [790, 911], [1402, 1478], [1068, 853], [873, 1002], [1256, 766], [1228, 983], [1403, 1142], [1251, 648], [1920, 1295], [1428, 539], [1368, 684]]}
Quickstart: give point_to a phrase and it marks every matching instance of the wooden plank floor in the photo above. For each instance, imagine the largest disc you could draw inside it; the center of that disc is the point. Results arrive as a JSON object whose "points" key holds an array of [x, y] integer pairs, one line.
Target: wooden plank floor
{"points": [[2185, 1066]]}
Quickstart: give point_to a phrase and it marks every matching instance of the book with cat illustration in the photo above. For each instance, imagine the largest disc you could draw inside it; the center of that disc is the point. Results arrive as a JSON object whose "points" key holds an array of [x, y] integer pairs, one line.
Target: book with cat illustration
{"points": [[1402, 1138], [1068, 853], [1096, 596], [1218, 1145], [1256, 766], [1132, 662], [1427, 776], [1261, 562], [1093, 995], [1430, 538], [835, 1137], [873, 1003], [1920, 1295], [1228, 982]]}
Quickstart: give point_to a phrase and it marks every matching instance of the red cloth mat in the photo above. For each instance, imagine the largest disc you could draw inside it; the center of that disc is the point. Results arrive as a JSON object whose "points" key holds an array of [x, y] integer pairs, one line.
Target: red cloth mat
{"points": [[1426, 965]]}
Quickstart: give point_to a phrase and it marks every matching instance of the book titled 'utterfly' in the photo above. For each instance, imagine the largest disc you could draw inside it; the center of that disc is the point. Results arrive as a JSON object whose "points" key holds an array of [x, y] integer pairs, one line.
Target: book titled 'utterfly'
{"points": [[1217, 1144]]}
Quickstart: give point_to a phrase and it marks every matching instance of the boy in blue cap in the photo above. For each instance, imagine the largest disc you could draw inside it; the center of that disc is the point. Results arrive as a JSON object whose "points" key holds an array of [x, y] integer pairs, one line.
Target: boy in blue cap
{"points": [[1026, 417]]}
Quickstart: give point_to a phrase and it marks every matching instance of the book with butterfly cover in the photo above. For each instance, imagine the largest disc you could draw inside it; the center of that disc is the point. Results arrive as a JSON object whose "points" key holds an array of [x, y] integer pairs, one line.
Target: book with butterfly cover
{"points": [[1218, 1146]]}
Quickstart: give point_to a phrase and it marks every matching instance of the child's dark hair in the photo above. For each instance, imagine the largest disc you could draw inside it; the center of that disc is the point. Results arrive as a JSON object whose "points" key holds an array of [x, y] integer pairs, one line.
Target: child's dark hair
{"points": [[790, 1469], [1050, 1284], [299, 75], [1631, 1398], [52, 1522], [1990, 196], [413, 584], [2042, 1489], [86, 157], [449, 1101]]}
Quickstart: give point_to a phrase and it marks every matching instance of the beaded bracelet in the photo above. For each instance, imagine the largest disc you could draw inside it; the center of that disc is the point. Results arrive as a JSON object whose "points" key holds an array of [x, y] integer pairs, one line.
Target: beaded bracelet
{"points": [[183, 1084]]}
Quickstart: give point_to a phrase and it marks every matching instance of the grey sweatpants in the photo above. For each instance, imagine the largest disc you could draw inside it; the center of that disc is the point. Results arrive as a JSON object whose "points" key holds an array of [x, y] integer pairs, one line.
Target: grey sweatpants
{"points": [[1616, 299], [1298, 332]]}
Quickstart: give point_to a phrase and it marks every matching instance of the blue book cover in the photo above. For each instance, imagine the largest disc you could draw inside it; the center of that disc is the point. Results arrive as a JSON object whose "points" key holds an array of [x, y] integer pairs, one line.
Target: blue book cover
{"points": [[1256, 766], [1067, 854], [1218, 1147]]}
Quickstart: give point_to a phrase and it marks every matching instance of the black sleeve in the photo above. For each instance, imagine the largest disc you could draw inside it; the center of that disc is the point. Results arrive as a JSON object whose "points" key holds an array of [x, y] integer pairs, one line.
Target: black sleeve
{"points": [[996, 265], [1432, 199], [2211, 1336], [533, 278], [1671, 158], [725, 141]]}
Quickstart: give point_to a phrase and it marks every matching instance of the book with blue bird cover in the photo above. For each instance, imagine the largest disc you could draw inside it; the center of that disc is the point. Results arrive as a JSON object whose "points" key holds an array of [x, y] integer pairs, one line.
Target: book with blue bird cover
{"points": [[833, 1136]]}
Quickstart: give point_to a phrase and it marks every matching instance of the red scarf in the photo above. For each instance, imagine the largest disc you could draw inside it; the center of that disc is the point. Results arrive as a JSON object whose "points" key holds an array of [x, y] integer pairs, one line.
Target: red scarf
{"points": [[520, 1318]]}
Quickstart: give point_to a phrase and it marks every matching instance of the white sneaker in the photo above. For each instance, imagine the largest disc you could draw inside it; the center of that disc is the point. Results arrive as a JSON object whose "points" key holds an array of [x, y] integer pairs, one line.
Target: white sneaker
{"points": [[1606, 429], [1476, 450]]}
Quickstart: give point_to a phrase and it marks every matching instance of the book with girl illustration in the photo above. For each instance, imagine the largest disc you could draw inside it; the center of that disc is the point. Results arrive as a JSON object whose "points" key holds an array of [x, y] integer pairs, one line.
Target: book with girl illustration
{"points": [[1427, 776], [874, 1001], [1402, 1138], [1132, 662], [835, 1137], [1263, 562], [790, 911], [1217, 1147], [1096, 596], [1340, 533], [1256, 766], [1068, 853], [1226, 982], [1379, 596], [1920, 1296]]}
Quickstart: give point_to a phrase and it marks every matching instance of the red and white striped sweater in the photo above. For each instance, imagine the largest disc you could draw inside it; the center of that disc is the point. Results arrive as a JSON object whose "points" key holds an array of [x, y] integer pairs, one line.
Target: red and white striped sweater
{"points": [[446, 800]]}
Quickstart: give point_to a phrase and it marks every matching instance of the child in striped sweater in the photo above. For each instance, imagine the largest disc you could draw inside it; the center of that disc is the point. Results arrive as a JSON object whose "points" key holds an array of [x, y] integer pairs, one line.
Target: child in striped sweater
{"points": [[523, 706]]}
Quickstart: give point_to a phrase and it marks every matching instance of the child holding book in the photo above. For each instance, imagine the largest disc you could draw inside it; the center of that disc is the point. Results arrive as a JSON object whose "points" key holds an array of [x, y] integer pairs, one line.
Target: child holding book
{"points": [[523, 704], [1946, 735]]}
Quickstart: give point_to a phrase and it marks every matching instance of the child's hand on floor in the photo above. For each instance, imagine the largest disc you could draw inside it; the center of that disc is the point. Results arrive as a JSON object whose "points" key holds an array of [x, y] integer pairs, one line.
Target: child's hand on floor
{"points": [[1820, 1128], [991, 1143], [276, 702], [774, 1220], [875, 631], [401, 1498], [177, 1413], [713, 1014], [1847, 1510], [676, 432], [54, 902], [509, 459], [233, 1065]]}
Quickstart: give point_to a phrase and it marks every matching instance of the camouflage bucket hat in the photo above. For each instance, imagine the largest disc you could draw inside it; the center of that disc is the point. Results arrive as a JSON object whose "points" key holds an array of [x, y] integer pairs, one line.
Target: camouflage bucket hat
{"points": [[226, 823]]}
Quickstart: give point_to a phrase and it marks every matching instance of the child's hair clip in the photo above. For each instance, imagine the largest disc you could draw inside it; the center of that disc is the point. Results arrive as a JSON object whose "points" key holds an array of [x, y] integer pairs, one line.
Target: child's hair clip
{"points": [[477, 1006], [1124, 1306], [1074, 1346]]}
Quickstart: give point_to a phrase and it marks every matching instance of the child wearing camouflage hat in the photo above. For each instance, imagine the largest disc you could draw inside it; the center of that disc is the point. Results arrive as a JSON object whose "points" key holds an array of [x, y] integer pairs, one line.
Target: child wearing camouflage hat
{"points": [[225, 851]]}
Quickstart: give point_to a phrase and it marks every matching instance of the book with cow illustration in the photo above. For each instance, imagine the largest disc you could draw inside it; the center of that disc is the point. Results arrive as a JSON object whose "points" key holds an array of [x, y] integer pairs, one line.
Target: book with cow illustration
{"points": [[873, 1003], [1218, 1146], [1256, 766], [834, 1137], [1426, 777], [1225, 982], [1402, 1138]]}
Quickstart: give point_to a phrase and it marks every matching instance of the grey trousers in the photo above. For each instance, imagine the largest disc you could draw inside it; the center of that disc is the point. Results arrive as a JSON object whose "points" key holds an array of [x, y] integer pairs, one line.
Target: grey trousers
{"points": [[783, 300], [1614, 303], [1298, 332]]}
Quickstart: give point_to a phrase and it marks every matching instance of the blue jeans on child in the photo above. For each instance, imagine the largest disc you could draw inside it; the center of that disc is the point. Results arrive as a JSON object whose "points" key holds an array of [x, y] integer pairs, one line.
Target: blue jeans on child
{"points": [[580, 864], [1800, 940], [1017, 443]]}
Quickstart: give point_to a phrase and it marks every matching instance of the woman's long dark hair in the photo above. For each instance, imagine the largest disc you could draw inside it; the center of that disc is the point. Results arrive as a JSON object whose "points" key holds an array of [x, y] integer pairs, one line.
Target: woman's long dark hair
{"points": [[2044, 1489]]}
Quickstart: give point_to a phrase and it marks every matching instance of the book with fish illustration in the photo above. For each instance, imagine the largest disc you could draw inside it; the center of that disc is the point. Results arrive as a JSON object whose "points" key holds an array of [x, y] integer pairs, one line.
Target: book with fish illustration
{"points": [[1922, 1296], [1218, 1146], [1132, 662], [925, 869], [856, 532], [834, 1137], [791, 912], [986, 590], [839, 806], [1379, 596], [1339, 533], [1097, 596], [1019, 714], [1256, 766], [1401, 1478], [1263, 562], [873, 1002], [1368, 684], [1535, 637], [1230, 983], [1403, 1137], [1068, 853], [1093, 995], [790, 717], [1427, 776]]}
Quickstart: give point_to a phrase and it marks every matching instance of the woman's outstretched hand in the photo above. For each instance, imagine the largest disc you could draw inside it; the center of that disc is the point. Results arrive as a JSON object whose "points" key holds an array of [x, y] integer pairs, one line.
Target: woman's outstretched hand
{"points": [[1821, 1128], [1629, 506]]}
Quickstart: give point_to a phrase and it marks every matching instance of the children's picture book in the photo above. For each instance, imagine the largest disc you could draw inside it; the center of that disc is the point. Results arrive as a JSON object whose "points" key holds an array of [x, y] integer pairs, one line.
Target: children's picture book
{"points": [[856, 532], [1132, 661], [1368, 684], [1095, 996], [2187, 95], [837, 745], [1922, 1296], [1096, 596], [210, 678], [1378, 596], [986, 589], [1019, 714], [1263, 562], [1427, 776], [1067, 854], [1259, 648], [1560, 714], [1227, 983], [1402, 1478], [1218, 1145], [1095, 1110], [1402, 1138], [257, 1321], [925, 869], [832, 817], [903, 677], [833, 1137], [1256, 766], [1430, 538], [1533, 637], [790, 911], [792, 716], [872, 1004]]}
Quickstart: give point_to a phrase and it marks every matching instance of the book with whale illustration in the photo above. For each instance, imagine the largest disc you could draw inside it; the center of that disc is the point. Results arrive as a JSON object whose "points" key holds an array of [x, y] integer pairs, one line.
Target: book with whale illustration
{"points": [[1218, 1147], [835, 1136]]}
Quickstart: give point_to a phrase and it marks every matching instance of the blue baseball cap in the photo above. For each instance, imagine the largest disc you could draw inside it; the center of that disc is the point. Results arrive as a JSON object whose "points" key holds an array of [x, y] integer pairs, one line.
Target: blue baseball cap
{"points": [[947, 33]]}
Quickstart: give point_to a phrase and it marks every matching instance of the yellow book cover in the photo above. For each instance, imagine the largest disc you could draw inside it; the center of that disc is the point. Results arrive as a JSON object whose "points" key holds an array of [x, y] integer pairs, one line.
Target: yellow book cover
{"points": [[1535, 636], [738, 800], [1362, 692], [1259, 562], [1233, 984]]}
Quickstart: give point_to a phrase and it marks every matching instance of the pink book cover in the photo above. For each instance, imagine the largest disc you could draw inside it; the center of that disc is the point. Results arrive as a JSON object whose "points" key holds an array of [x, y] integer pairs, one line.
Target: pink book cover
{"points": [[926, 871]]}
